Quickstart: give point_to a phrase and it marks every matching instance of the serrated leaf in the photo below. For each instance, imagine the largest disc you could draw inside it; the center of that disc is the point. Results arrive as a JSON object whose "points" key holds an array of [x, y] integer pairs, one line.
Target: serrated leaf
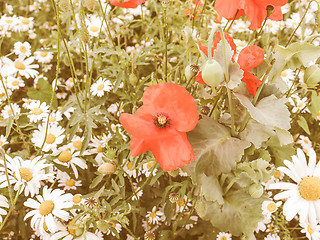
{"points": [[215, 150], [44, 93], [269, 111], [235, 74], [211, 188], [311, 76], [219, 55], [302, 122], [256, 133]]}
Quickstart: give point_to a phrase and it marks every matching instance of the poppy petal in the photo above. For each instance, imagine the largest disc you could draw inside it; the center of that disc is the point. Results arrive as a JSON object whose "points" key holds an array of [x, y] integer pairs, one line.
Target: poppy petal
{"points": [[173, 100], [272, 2], [138, 146], [250, 57], [204, 49], [255, 12], [127, 3], [227, 8], [276, 14], [252, 82], [199, 78], [172, 153], [142, 126]]}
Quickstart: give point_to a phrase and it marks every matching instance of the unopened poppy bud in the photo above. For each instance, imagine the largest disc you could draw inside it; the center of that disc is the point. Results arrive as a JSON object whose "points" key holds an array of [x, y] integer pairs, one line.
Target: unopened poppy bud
{"points": [[256, 190], [212, 73], [107, 168], [84, 35], [133, 79], [90, 4], [64, 5]]}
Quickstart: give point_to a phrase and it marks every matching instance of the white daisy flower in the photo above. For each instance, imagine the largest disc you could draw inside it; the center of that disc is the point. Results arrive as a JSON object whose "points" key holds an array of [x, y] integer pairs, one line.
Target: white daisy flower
{"points": [[22, 49], [24, 24], [67, 112], [66, 182], [38, 111], [262, 224], [191, 220], [183, 204], [117, 226], [3, 204], [3, 95], [22, 66], [8, 111], [95, 147], [48, 209], [27, 103], [154, 216], [137, 194], [14, 83], [224, 236], [299, 104], [105, 138], [100, 86], [93, 24], [76, 143], [3, 141], [147, 167], [269, 207], [43, 56], [272, 237], [240, 26], [288, 76], [303, 196], [61, 95], [77, 199], [312, 232], [70, 158], [25, 173], [54, 118], [50, 140], [131, 170], [272, 26]]}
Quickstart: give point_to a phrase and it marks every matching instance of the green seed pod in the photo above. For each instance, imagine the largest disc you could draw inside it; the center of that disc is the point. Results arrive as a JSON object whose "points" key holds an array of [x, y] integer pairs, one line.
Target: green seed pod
{"points": [[107, 168], [84, 35], [90, 4], [133, 79], [212, 73], [256, 190], [190, 71]]}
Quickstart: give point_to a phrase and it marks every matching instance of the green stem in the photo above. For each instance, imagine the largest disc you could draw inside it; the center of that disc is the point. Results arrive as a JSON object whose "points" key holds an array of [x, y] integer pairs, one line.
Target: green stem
{"points": [[7, 176], [165, 29], [230, 185], [107, 24], [234, 18]]}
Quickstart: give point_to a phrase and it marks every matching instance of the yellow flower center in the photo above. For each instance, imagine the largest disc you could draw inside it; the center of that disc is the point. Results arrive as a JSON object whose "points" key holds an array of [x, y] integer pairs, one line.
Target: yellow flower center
{"points": [[242, 44], [284, 74], [25, 21], [15, 83], [19, 65], [25, 174], [181, 203], [309, 188], [46, 207], [1, 28], [43, 54], [1, 143], [37, 111], [300, 105], [277, 174], [2, 94], [129, 166], [9, 21], [52, 119], [310, 230], [70, 182], [113, 224], [50, 138], [77, 144], [10, 112], [153, 214], [99, 149], [71, 228], [94, 29], [23, 49], [223, 238], [149, 166], [65, 156], [272, 207], [76, 198], [306, 141], [100, 87]]}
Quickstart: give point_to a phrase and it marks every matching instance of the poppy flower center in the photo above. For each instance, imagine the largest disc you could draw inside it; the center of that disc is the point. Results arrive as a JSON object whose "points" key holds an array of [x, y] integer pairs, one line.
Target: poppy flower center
{"points": [[46, 207], [70, 182], [161, 120], [25, 174], [77, 144], [50, 138], [65, 156], [23, 49], [272, 207], [37, 111], [76, 198], [309, 188], [19, 65]]}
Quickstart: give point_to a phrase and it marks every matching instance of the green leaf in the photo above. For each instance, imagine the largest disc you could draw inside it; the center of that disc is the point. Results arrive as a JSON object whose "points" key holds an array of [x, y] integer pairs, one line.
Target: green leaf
{"points": [[9, 126], [256, 133], [299, 53], [215, 150], [211, 188], [269, 111], [280, 153], [235, 74], [302, 122], [284, 136], [44, 93], [96, 181], [311, 76], [315, 104]]}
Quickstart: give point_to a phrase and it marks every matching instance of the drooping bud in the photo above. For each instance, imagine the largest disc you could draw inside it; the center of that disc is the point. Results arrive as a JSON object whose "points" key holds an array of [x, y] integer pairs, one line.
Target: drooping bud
{"points": [[84, 35], [90, 4], [133, 79], [107, 168], [269, 10], [191, 71], [212, 73], [256, 190]]}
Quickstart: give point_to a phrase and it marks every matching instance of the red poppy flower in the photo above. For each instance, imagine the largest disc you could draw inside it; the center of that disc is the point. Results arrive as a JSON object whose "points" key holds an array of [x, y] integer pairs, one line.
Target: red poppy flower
{"points": [[255, 10], [161, 123], [248, 58], [127, 3], [196, 8]]}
